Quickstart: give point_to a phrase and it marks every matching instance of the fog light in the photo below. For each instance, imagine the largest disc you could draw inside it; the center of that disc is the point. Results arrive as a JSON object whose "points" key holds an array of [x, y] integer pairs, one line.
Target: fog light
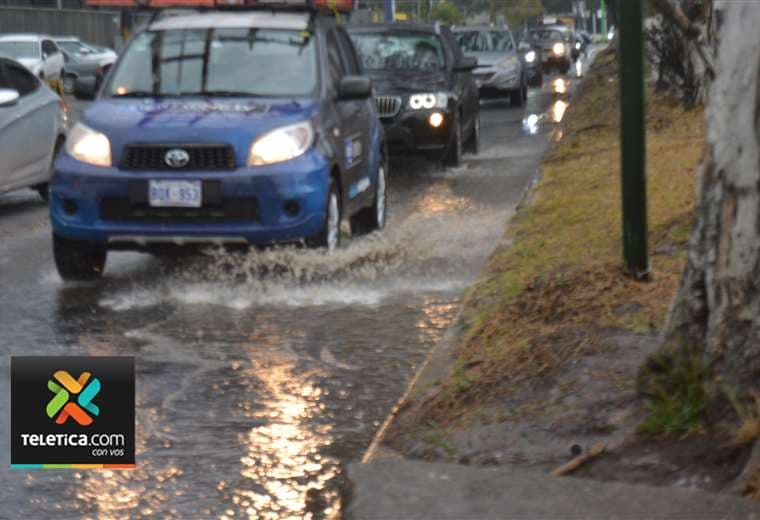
{"points": [[436, 119]]}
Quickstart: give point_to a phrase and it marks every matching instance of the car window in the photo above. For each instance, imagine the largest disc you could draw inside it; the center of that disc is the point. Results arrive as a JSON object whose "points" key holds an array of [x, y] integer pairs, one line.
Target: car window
{"points": [[18, 78], [222, 62], [334, 58], [20, 50], [396, 50]]}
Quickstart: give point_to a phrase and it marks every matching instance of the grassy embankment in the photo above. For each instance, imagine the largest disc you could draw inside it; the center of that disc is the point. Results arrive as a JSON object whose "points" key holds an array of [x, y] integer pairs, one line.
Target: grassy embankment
{"points": [[547, 297]]}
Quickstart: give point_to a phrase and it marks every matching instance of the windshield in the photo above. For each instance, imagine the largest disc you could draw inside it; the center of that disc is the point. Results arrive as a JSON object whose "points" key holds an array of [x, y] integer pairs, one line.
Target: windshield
{"points": [[20, 50], [221, 62], [546, 35], [400, 51], [484, 41]]}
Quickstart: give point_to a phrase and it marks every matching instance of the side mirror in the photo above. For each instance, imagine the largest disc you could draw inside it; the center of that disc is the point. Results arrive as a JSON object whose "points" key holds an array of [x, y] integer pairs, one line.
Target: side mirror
{"points": [[44, 56], [466, 64], [8, 97], [85, 88], [354, 87]]}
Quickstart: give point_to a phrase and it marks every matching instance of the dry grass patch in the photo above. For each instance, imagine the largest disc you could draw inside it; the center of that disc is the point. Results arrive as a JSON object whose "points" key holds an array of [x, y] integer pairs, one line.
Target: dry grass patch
{"points": [[543, 300]]}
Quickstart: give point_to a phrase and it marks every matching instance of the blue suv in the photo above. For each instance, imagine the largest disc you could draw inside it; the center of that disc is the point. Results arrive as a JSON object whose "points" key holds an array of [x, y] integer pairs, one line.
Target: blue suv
{"points": [[223, 128]]}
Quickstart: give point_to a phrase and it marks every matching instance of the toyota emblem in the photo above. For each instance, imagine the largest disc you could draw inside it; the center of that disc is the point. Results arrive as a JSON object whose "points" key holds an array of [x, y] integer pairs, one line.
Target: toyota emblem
{"points": [[177, 158]]}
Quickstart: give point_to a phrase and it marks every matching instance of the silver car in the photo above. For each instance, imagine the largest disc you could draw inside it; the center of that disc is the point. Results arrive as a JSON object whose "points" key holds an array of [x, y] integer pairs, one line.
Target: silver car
{"points": [[500, 70], [32, 129]]}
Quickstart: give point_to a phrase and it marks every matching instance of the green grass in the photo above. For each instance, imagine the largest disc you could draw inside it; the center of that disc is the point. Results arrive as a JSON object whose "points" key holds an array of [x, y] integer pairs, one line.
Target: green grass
{"points": [[679, 401]]}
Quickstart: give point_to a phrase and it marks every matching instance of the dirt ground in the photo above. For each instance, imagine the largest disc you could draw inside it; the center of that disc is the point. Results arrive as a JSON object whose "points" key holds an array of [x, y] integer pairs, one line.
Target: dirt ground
{"points": [[553, 332]]}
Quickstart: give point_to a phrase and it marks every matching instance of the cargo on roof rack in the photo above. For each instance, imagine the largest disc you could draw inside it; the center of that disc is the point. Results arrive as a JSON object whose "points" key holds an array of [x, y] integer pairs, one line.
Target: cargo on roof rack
{"points": [[337, 5]]}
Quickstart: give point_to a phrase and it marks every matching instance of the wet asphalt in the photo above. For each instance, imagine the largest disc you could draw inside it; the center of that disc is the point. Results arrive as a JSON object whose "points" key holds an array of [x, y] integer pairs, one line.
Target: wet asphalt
{"points": [[259, 376]]}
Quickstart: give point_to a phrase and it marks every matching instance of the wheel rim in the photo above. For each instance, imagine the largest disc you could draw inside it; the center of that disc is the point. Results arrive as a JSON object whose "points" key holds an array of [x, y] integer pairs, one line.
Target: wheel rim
{"points": [[333, 223], [68, 85], [380, 196]]}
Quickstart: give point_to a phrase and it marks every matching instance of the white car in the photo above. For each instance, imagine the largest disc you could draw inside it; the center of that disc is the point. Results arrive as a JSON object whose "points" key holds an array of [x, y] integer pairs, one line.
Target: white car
{"points": [[85, 51], [36, 52], [32, 129]]}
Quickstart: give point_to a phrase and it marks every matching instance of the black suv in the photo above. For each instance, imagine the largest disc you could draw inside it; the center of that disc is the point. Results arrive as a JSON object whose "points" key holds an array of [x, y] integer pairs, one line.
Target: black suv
{"points": [[426, 96]]}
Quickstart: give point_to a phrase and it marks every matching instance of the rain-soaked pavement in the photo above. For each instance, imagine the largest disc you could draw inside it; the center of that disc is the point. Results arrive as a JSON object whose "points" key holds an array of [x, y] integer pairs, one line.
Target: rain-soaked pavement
{"points": [[258, 377]]}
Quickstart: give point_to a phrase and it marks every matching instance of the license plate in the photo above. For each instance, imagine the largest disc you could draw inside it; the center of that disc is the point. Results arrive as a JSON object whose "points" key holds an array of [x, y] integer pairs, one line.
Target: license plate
{"points": [[175, 194]]}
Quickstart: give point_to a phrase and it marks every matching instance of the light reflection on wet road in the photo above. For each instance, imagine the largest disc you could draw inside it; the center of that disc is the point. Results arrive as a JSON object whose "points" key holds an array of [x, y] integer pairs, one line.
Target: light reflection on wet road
{"points": [[258, 376]]}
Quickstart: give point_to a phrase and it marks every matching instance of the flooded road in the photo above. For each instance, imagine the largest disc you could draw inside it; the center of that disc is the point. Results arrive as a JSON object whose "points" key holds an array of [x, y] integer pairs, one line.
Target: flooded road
{"points": [[260, 375]]}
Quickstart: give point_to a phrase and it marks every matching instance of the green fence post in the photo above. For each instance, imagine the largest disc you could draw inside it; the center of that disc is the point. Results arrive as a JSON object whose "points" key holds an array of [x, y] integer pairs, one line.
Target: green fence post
{"points": [[633, 136]]}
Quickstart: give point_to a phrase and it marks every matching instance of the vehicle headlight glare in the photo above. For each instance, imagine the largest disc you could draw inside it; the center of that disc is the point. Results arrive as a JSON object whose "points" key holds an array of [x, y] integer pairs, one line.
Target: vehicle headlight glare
{"points": [[427, 101], [530, 57], [559, 48], [578, 45], [282, 144], [88, 146]]}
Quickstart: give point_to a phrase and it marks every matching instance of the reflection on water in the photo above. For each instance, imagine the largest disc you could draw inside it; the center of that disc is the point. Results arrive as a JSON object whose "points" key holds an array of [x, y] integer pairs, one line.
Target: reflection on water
{"points": [[284, 455], [559, 86], [558, 110]]}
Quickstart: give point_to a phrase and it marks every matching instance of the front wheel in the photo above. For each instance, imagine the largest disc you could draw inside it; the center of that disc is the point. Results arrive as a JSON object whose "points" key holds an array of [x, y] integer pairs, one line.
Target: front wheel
{"points": [[69, 82], [373, 218], [454, 153], [473, 142], [78, 261], [329, 237]]}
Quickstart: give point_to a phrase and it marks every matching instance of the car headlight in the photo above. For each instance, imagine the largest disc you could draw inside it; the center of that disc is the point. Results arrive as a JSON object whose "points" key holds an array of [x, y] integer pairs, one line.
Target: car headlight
{"points": [[559, 48], [530, 56], [86, 145], [428, 101], [281, 144], [578, 45]]}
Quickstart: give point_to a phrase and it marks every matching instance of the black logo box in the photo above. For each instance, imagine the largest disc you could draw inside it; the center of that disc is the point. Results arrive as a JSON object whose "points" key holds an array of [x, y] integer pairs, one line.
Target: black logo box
{"points": [[30, 396]]}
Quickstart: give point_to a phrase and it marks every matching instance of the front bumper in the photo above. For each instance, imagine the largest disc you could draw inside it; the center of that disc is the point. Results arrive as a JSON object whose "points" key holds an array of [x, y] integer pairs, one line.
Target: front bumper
{"points": [[283, 202], [410, 132], [495, 79]]}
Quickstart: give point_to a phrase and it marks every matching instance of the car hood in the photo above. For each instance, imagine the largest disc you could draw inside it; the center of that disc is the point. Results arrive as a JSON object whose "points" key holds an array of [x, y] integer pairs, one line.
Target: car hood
{"points": [[488, 59], [235, 121], [401, 82]]}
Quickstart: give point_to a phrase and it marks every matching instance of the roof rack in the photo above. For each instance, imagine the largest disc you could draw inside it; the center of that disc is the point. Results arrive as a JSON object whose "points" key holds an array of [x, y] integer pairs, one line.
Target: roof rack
{"points": [[330, 5]]}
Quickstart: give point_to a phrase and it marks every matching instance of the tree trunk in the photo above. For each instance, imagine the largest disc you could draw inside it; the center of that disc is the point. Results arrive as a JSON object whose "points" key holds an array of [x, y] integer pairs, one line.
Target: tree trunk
{"points": [[716, 314]]}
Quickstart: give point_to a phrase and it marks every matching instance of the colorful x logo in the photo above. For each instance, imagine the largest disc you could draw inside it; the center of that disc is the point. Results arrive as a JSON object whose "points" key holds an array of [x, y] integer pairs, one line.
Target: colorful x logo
{"points": [[84, 388]]}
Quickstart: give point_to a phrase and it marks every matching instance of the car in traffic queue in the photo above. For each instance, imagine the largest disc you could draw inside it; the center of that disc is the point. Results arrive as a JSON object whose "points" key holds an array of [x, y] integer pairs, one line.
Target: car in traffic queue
{"points": [[500, 71], [32, 129], [240, 127], [532, 59], [85, 51], [77, 67], [426, 96], [557, 48], [36, 52]]}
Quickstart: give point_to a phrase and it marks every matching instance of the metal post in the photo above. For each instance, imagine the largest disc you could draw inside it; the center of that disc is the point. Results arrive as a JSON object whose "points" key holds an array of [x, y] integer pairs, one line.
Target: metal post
{"points": [[633, 137], [390, 10]]}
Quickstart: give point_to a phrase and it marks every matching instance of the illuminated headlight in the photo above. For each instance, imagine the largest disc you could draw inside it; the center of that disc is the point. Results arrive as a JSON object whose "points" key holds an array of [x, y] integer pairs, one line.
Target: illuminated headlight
{"points": [[559, 48], [578, 45], [280, 145], [427, 101], [530, 57], [86, 145]]}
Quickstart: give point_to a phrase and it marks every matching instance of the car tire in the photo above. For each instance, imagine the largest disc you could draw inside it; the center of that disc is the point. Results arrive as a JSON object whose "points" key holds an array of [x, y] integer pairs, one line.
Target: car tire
{"points": [[329, 237], [77, 260], [69, 82], [518, 97], [455, 150], [473, 142], [565, 69], [373, 218]]}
